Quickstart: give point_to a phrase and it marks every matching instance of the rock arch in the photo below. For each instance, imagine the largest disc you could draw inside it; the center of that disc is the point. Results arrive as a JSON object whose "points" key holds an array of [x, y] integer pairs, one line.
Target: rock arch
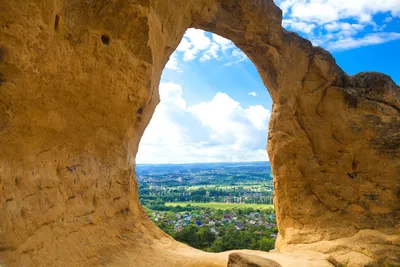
{"points": [[79, 83]]}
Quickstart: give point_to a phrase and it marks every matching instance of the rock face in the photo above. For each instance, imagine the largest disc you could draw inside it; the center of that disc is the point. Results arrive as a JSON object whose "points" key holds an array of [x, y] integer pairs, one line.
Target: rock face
{"points": [[79, 83], [243, 260]]}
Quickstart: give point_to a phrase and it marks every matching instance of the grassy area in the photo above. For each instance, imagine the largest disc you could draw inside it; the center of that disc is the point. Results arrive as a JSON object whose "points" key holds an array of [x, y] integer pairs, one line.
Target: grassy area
{"points": [[147, 210], [226, 187], [222, 206]]}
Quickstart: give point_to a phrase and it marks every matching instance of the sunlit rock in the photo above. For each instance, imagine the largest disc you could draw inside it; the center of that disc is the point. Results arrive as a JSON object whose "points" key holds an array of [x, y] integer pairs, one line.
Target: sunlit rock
{"points": [[79, 83]]}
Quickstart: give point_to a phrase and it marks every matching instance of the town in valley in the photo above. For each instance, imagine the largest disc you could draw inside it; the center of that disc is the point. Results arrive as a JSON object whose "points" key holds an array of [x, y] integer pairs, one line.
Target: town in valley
{"points": [[211, 206]]}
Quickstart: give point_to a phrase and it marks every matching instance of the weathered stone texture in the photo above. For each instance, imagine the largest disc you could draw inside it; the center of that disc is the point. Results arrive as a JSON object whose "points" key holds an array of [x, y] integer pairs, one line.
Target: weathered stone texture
{"points": [[79, 83], [243, 260]]}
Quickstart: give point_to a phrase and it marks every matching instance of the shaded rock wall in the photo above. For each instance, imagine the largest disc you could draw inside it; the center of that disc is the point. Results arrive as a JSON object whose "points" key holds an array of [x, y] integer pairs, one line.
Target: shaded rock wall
{"points": [[79, 83]]}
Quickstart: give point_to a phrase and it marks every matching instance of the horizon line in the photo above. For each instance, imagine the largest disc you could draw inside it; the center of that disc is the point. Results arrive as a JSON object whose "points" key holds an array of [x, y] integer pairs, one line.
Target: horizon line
{"points": [[219, 162]]}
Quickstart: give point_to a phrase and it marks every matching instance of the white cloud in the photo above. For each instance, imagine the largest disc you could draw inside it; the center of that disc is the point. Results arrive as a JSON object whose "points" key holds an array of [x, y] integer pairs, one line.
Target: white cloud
{"points": [[370, 39], [299, 26], [344, 27], [237, 57], [314, 11], [365, 18], [197, 44], [211, 53], [285, 5], [172, 63], [258, 115], [388, 19], [198, 39], [184, 45], [327, 22], [218, 46], [223, 42], [253, 93], [332, 10], [193, 42], [214, 131], [190, 54], [239, 54]]}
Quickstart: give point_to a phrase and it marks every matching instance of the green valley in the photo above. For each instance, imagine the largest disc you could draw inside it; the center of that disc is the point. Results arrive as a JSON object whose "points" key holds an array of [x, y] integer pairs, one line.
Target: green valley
{"points": [[223, 206], [213, 206]]}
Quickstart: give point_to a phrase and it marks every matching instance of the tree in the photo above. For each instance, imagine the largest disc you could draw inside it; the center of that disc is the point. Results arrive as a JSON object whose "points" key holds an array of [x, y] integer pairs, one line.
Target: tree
{"points": [[233, 240], [217, 246], [188, 236], [205, 237], [266, 244]]}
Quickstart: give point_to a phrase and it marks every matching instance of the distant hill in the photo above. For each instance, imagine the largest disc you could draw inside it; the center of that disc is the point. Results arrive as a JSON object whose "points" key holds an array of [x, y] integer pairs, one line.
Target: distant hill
{"points": [[229, 173], [143, 168]]}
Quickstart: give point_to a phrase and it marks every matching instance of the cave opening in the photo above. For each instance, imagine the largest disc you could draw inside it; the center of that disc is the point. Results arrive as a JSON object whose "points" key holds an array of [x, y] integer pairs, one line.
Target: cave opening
{"points": [[202, 166]]}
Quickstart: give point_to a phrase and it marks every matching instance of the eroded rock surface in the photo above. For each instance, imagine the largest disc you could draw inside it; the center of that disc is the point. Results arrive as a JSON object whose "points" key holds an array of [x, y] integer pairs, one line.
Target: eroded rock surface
{"points": [[243, 260], [79, 83]]}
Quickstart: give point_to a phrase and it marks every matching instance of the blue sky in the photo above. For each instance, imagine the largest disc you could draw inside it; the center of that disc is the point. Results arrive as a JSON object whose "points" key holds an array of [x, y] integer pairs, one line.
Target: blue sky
{"points": [[214, 106]]}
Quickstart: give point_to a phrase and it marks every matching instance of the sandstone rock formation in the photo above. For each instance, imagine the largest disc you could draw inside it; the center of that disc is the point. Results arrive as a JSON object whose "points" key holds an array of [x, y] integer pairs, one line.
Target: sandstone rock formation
{"points": [[79, 83], [244, 260]]}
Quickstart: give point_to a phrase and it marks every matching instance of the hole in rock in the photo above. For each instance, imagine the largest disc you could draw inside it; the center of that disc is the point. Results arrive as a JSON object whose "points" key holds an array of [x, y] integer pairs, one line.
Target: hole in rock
{"points": [[203, 171], [17, 181], [105, 39], [56, 22]]}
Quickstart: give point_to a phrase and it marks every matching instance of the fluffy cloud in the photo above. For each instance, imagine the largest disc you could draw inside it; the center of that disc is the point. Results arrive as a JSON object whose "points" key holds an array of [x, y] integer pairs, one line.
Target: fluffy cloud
{"points": [[369, 39], [197, 44], [298, 26], [258, 115], [253, 93], [172, 63], [193, 43], [314, 11], [214, 131], [239, 54], [388, 19], [344, 27], [322, 11], [211, 53], [238, 57], [223, 42], [331, 23]]}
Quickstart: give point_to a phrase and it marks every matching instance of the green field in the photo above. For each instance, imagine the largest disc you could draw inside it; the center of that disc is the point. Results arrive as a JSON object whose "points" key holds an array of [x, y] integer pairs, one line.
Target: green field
{"points": [[222, 206], [226, 187]]}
